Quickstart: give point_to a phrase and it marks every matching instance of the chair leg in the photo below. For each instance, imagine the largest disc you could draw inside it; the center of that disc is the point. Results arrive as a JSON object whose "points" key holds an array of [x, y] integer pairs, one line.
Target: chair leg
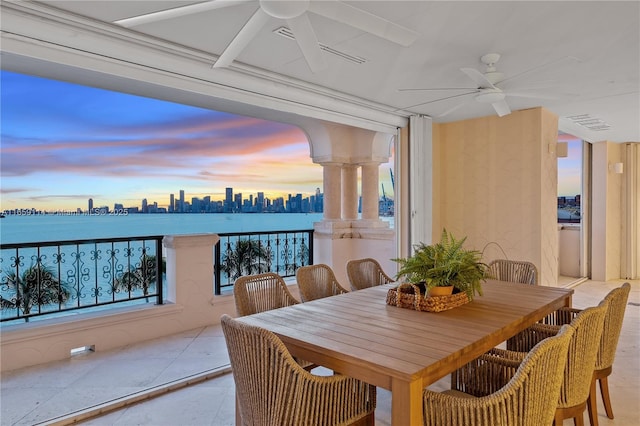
{"points": [[558, 419], [368, 420], [579, 420], [604, 390], [238, 416], [592, 407]]}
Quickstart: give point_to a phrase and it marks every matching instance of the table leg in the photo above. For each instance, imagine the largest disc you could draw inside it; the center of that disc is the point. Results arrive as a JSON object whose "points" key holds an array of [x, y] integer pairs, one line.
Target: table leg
{"points": [[567, 301], [406, 403]]}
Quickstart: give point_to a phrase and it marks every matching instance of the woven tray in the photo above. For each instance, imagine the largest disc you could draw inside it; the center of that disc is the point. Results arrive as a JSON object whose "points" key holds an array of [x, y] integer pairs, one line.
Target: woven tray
{"points": [[409, 296]]}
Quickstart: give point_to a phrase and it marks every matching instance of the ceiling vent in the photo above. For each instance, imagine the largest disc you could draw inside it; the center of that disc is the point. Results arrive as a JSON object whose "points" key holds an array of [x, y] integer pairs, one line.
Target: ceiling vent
{"points": [[286, 32], [591, 123]]}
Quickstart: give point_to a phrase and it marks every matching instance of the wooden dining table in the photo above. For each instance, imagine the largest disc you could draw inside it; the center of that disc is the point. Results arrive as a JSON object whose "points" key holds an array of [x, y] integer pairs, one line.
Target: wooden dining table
{"points": [[403, 350]]}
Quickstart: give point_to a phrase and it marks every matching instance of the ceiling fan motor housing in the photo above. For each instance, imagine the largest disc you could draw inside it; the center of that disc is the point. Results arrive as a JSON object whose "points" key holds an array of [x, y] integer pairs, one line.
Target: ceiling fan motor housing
{"points": [[490, 59], [284, 9], [491, 72]]}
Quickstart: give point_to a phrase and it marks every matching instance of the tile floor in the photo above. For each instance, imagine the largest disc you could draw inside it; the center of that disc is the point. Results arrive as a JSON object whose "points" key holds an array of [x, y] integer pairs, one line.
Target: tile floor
{"points": [[55, 393]]}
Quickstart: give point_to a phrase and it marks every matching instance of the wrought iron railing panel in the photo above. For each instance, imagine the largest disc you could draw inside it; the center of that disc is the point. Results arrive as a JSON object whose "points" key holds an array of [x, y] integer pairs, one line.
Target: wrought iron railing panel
{"points": [[48, 277], [248, 253]]}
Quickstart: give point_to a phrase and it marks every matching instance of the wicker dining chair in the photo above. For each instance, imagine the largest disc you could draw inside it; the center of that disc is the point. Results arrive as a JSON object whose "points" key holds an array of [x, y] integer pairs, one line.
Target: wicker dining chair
{"points": [[617, 299], [317, 281], [261, 292], [516, 271], [528, 398], [272, 389], [364, 273], [578, 374]]}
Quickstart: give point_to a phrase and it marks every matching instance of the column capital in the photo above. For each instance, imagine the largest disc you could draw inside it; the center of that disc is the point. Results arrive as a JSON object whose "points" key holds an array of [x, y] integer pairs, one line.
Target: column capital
{"points": [[331, 161]]}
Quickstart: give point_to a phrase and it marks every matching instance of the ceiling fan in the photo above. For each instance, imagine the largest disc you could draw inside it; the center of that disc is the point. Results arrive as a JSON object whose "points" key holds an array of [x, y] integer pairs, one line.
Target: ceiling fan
{"points": [[489, 87], [295, 14]]}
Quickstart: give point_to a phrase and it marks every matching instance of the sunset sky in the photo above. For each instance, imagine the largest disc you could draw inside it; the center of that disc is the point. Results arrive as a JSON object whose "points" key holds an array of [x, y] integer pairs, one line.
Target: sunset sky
{"points": [[63, 144], [570, 167]]}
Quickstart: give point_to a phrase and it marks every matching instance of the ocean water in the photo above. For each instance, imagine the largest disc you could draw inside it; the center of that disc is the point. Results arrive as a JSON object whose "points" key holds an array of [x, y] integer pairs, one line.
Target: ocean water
{"points": [[27, 229]]}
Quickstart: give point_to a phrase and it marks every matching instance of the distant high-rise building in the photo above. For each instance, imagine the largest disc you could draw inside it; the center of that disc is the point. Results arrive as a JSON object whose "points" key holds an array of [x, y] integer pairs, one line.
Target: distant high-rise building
{"points": [[171, 203], [181, 209], [318, 202], [90, 205], [196, 205], [228, 200], [260, 202], [145, 207]]}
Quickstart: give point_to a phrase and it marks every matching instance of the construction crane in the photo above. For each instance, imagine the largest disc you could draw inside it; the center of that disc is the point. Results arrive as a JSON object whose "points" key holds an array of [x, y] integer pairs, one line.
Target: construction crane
{"points": [[385, 210]]}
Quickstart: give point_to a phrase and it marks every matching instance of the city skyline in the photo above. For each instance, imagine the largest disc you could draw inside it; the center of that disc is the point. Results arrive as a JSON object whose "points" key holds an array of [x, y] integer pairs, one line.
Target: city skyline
{"points": [[64, 143]]}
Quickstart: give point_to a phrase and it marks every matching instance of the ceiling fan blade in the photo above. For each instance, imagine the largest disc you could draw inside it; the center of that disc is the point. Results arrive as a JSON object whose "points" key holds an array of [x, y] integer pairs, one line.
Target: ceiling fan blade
{"points": [[440, 99], [308, 42], [502, 108], [439, 88], [478, 77], [530, 95], [365, 21], [547, 64], [176, 12], [244, 36], [455, 108]]}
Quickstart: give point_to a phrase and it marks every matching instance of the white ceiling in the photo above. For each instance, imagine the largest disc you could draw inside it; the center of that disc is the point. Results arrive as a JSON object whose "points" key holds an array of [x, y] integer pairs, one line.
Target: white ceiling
{"points": [[588, 53]]}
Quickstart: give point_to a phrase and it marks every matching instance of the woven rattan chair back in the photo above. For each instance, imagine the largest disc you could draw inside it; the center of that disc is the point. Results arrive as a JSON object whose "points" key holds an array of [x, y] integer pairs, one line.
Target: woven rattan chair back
{"points": [[617, 303], [617, 298], [577, 392], [608, 344], [529, 397], [272, 389], [581, 361], [364, 273], [261, 292], [317, 281], [515, 271]]}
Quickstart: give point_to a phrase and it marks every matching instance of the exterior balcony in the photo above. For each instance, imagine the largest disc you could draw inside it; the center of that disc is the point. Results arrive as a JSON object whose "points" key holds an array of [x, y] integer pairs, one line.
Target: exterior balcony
{"points": [[167, 364]]}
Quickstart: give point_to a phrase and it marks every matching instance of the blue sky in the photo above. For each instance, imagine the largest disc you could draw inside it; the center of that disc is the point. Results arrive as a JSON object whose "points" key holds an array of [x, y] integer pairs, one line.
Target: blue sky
{"points": [[64, 143], [570, 167]]}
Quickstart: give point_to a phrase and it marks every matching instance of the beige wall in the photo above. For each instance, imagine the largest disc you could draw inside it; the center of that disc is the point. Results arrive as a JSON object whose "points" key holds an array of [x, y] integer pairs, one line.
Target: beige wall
{"points": [[495, 181], [606, 233]]}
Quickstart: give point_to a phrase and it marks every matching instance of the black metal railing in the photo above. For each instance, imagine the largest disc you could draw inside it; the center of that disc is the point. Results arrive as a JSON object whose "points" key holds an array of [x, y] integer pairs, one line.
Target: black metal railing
{"points": [[247, 253], [50, 277]]}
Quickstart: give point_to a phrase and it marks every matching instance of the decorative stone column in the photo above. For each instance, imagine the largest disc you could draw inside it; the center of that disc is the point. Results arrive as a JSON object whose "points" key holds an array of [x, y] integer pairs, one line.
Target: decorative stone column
{"points": [[370, 192], [349, 192], [331, 184], [341, 235]]}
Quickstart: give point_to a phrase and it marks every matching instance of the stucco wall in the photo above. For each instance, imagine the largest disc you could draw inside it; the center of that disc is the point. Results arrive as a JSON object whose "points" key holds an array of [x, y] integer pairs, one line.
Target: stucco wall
{"points": [[606, 212], [495, 181]]}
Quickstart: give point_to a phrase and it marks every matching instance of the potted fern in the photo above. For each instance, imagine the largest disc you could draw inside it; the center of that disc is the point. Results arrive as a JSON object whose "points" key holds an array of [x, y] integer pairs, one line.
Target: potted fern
{"points": [[446, 264]]}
